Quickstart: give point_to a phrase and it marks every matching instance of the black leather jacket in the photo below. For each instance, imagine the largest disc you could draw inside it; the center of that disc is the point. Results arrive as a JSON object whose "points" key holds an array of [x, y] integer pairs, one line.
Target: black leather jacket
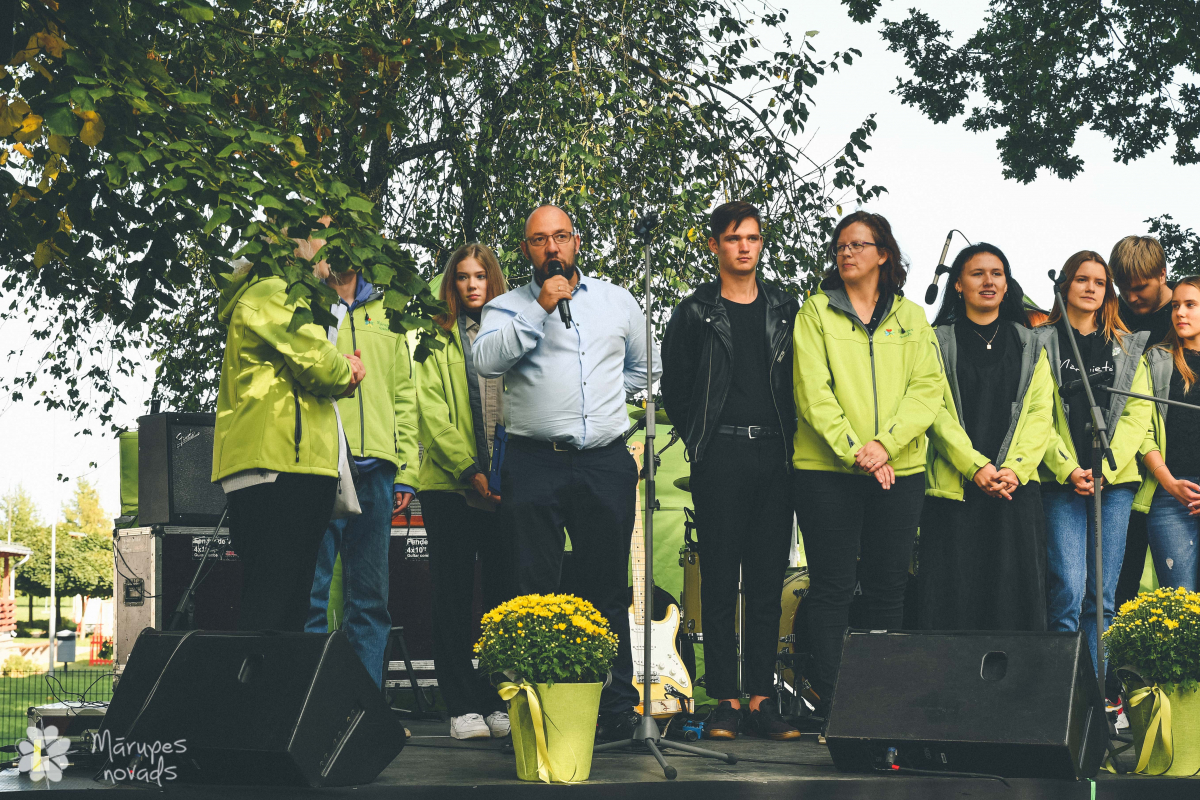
{"points": [[696, 355]]}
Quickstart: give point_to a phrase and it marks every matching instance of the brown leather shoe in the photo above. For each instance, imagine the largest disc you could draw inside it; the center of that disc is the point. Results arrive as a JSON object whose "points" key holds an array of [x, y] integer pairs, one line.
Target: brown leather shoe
{"points": [[723, 722], [765, 723]]}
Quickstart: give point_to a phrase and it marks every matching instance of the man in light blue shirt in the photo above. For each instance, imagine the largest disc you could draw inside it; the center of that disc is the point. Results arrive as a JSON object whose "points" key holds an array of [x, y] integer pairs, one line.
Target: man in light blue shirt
{"points": [[566, 466]]}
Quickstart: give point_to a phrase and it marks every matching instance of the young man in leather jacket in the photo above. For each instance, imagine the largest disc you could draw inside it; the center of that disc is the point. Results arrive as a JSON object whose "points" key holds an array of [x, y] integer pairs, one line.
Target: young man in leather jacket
{"points": [[727, 387]]}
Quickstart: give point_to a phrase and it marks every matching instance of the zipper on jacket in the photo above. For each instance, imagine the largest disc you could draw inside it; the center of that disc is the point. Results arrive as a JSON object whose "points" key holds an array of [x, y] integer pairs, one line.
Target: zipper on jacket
{"points": [[299, 429], [874, 390], [775, 359], [362, 425], [707, 393]]}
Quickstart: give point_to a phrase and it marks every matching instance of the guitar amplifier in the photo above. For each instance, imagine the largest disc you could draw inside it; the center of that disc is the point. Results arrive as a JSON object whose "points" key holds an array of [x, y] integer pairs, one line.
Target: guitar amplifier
{"points": [[410, 600], [175, 453], [152, 569]]}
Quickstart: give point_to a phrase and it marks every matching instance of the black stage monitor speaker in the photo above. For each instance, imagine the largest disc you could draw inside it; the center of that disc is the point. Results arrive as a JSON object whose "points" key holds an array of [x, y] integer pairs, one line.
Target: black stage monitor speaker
{"points": [[175, 471], [1020, 705], [294, 709]]}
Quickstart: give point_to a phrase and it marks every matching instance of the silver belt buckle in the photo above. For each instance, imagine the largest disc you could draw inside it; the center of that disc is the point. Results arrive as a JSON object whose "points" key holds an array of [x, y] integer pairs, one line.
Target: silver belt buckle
{"points": [[751, 431]]}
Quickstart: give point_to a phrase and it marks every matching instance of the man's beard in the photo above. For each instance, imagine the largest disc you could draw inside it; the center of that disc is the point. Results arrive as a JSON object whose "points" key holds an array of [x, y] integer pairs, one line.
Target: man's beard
{"points": [[540, 275]]}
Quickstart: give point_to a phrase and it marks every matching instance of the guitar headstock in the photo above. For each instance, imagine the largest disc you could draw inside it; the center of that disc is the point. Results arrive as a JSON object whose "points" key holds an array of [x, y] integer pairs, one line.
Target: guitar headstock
{"points": [[636, 449]]}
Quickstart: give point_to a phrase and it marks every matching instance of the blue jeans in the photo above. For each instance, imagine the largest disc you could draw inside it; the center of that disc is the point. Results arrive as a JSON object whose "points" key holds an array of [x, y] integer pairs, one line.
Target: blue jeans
{"points": [[363, 542], [1071, 561], [1173, 539]]}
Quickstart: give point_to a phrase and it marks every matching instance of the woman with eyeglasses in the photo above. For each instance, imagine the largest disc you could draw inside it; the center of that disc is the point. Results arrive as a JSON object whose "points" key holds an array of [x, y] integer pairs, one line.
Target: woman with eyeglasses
{"points": [[1112, 357], [1170, 492], [868, 384], [982, 549]]}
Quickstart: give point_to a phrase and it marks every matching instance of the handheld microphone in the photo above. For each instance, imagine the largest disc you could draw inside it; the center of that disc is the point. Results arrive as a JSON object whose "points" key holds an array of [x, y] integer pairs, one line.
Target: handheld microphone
{"points": [[555, 267], [932, 292]]}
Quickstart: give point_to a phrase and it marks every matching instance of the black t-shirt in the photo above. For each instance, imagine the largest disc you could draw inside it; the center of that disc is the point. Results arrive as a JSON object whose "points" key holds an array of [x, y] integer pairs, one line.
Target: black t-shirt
{"points": [[882, 305], [987, 381], [1157, 322], [748, 401], [1183, 425], [1097, 352]]}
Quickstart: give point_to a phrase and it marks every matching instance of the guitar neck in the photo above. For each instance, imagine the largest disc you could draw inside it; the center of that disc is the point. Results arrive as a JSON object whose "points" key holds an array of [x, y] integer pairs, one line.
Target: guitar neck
{"points": [[638, 543]]}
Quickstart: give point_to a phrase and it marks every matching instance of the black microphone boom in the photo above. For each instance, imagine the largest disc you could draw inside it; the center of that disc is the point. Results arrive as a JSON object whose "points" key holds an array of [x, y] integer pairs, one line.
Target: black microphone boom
{"points": [[932, 292], [555, 267]]}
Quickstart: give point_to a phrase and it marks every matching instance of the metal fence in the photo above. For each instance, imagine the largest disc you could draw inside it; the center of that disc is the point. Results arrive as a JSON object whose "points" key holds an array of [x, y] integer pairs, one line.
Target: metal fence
{"points": [[20, 690]]}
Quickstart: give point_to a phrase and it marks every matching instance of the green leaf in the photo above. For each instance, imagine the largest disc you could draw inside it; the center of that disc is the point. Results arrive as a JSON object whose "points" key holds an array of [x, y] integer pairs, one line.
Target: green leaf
{"points": [[219, 216], [356, 203], [175, 184], [63, 122], [194, 12], [192, 98], [268, 201]]}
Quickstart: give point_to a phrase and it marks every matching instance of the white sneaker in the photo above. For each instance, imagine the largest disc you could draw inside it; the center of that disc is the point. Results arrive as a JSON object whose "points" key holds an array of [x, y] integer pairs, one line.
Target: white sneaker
{"points": [[497, 723], [469, 726]]}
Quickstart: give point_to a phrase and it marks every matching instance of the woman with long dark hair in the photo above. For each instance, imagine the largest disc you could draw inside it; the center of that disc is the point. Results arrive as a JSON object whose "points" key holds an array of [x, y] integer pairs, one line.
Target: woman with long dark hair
{"points": [[1171, 490], [982, 547], [867, 386], [459, 412], [1113, 357]]}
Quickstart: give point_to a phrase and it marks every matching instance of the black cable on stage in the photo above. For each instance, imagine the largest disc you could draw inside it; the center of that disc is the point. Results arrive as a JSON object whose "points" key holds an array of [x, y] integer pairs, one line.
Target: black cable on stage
{"points": [[933, 773]]}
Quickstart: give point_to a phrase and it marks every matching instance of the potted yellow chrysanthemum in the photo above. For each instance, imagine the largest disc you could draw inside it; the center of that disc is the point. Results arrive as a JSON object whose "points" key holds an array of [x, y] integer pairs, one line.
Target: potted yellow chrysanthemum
{"points": [[1155, 642], [551, 653]]}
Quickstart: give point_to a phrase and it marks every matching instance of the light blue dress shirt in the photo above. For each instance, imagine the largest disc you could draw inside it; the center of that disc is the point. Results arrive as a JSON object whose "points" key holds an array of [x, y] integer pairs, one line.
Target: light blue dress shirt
{"points": [[566, 384]]}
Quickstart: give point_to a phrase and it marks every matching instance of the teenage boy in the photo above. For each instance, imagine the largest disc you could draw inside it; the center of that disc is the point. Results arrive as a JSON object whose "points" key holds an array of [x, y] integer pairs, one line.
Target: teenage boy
{"points": [[727, 387], [1139, 269]]}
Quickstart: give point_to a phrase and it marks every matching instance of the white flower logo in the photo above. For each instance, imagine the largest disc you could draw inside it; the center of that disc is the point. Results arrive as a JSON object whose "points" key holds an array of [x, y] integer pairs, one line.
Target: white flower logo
{"points": [[44, 753]]}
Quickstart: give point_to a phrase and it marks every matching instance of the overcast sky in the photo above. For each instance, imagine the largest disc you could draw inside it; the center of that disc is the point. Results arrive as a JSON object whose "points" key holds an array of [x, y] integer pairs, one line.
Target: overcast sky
{"points": [[938, 176]]}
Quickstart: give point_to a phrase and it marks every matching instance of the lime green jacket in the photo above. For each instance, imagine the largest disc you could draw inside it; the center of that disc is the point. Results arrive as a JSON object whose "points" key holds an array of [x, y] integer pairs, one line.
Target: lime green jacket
{"points": [[851, 388], [274, 406], [952, 459], [380, 421], [1127, 419], [447, 424], [1161, 366]]}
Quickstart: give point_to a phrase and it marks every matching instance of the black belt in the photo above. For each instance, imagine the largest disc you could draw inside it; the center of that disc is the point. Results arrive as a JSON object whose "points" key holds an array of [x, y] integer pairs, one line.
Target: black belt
{"points": [[559, 447], [750, 432]]}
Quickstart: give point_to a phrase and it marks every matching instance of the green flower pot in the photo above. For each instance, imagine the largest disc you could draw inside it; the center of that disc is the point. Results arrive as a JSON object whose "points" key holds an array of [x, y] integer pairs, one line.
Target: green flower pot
{"points": [[1185, 732], [569, 712]]}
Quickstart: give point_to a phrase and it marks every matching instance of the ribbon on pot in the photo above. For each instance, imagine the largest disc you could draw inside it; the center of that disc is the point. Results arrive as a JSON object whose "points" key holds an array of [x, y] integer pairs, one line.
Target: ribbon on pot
{"points": [[508, 691], [1160, 721]]}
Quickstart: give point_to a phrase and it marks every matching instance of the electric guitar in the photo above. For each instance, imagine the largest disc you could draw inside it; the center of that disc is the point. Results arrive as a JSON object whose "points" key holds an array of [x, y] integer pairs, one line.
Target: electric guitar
{"points": [[670, 685]]}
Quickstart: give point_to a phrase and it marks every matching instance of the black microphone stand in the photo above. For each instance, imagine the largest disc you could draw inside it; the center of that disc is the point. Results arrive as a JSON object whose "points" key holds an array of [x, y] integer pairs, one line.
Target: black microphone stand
{"points": [[1101, 452], [647, 733]]}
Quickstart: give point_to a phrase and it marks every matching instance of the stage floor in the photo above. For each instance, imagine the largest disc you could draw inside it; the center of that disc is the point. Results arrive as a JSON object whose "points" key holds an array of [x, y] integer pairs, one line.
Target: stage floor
{"points": [[435, 766]]}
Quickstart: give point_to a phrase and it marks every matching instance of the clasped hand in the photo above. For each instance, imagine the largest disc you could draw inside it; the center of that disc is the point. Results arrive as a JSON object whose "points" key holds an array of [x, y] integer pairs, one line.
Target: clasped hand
{"points": [[873, 458], [994, 482]]}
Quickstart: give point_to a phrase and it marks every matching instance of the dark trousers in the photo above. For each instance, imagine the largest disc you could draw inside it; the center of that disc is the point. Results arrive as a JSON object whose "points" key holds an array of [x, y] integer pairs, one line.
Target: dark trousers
{"points": [[276, 529], [742, 494], [457, 535], [845, 518], [591, 494], [1137, 540]]}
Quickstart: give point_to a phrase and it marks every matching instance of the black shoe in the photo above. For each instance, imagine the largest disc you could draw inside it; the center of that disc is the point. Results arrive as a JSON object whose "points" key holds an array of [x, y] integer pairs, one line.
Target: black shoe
{"points": [[765, 723], [617, 725], [723, 721]]}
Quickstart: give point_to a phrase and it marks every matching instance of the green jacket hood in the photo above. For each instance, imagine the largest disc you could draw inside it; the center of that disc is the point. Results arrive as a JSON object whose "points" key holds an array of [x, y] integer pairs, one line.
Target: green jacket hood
{"points": [[232, 287]]}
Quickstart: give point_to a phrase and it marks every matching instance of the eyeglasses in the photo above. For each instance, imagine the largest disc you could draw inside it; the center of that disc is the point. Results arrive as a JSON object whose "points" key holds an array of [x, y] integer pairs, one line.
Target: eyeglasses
{"points": [[853, 247], [559, 238]]}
